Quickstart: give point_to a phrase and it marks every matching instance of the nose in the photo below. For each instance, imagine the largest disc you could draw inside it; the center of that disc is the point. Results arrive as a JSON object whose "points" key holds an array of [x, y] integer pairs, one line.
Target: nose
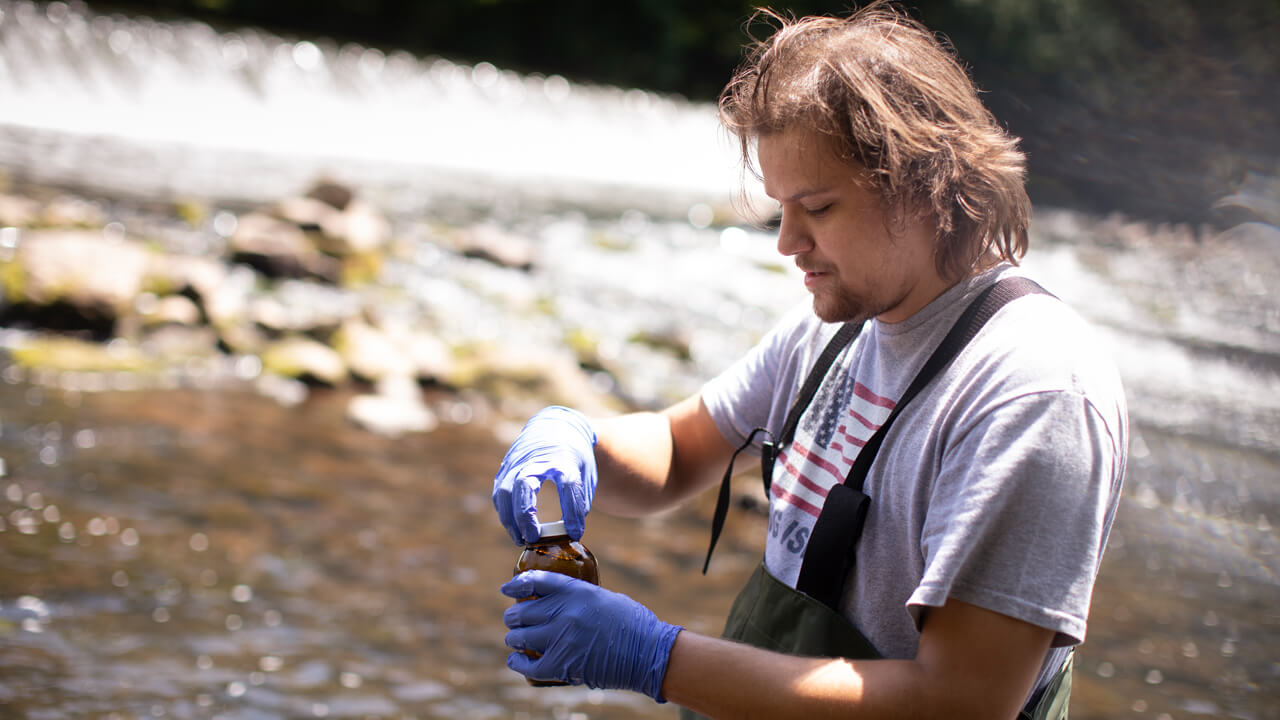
{"points": [[793, 236]]}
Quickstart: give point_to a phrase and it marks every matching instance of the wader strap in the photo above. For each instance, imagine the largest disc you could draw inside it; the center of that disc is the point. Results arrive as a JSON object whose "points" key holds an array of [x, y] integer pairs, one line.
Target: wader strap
{"points": [[830, 555], [722, 501], [769, 451], [967, 326]]}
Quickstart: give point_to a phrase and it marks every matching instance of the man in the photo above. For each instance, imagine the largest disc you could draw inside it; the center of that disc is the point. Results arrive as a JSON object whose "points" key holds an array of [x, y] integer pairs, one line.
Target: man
{"points": [[949, 576]]}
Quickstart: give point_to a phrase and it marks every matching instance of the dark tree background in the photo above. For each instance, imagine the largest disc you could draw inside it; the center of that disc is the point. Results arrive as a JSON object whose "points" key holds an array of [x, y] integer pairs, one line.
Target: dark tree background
{"points": [[1150, 107]]}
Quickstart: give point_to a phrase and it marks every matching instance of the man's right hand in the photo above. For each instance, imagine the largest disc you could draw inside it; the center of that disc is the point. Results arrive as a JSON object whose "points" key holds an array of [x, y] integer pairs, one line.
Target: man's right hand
{"points": [[556, 444]]}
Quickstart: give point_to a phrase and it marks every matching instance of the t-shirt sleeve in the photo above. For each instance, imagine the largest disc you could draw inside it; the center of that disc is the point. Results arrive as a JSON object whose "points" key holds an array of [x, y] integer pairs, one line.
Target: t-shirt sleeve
{"points": [[739, 398], [1018, 515], [751, 392]]}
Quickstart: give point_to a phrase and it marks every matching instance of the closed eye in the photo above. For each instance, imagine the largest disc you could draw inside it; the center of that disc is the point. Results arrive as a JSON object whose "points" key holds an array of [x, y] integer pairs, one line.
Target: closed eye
{"points": [[819, 211]]}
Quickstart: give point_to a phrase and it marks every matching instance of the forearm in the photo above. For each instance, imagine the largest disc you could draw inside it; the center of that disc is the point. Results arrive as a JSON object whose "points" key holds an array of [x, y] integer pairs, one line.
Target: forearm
{"points": [[633, 457], [971, 663], [724, 679], [650, 461]]}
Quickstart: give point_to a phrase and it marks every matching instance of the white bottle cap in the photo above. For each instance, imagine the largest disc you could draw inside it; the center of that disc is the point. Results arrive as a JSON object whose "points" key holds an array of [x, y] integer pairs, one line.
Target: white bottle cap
{"points": [[551, 529]]}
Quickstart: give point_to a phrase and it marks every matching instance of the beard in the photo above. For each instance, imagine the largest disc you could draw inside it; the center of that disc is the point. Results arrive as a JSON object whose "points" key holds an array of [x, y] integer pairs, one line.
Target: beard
{"points": [[839, 305]]}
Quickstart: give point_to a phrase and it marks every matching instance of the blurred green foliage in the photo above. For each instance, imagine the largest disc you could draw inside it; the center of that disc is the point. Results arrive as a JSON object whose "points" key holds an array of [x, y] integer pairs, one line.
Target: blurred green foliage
{"points": [[1150, 106]]}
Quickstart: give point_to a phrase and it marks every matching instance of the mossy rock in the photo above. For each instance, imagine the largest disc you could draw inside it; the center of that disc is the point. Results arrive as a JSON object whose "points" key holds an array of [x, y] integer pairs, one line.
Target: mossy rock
{"points": [[13, 281], [582, 342], [613, 242], [72, 355], [304, 358], [360, 269], [669, 342], [80, 268], [193, 212], [529, 378]]}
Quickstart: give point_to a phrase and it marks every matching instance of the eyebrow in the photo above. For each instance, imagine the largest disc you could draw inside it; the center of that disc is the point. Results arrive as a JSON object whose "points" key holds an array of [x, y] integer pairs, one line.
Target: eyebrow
{"points": [[805, 193]]}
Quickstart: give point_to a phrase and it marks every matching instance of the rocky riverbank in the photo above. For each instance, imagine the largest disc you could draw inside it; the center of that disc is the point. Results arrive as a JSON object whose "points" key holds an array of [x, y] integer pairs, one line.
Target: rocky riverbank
{"points": [[282, 298]]}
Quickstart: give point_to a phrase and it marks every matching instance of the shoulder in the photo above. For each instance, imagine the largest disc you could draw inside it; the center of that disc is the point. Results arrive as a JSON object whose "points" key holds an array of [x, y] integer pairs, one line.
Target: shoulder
{"points": [[1039, 345], [1040, 339]]}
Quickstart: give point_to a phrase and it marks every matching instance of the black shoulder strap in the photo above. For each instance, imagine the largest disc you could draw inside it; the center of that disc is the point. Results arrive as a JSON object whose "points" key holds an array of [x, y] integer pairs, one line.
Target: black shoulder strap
{"points": [[967, 325], [830, 554], [843, 337]]}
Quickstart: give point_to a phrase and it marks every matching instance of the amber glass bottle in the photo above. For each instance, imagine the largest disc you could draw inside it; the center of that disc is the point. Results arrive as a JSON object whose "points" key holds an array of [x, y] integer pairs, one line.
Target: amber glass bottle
{"points": [[554, 551]]}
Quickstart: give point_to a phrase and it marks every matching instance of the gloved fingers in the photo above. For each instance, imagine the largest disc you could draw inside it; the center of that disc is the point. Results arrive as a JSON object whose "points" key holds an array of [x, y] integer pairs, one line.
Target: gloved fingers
{"points": [[524, 501], [538, 582], [529, 612], [515, 488], [555, 444], [534, 639], [524, 484], [521, 663], [506, 513], [573, 504], [513, 499], [536, 668]]}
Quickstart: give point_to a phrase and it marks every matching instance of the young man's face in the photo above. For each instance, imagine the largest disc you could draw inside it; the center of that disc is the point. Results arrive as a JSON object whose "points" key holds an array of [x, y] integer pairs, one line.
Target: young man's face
{"points": [[858, 262]]}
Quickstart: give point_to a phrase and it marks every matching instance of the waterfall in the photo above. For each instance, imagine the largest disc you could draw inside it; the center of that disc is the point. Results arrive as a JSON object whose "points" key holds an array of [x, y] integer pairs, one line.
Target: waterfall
{"points": [[177, 109]]}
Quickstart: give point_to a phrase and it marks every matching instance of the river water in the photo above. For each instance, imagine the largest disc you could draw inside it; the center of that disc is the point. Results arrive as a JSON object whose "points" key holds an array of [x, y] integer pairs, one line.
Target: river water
{"points": [[192, 552]]}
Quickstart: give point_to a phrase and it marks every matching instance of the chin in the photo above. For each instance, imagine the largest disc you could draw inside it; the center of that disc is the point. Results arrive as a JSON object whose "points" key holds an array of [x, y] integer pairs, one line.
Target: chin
{"points": [[838, 310]]}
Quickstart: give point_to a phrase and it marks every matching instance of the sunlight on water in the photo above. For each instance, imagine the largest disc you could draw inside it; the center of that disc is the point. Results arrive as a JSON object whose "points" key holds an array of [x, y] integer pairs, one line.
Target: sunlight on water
{"points": [[182, 85]]}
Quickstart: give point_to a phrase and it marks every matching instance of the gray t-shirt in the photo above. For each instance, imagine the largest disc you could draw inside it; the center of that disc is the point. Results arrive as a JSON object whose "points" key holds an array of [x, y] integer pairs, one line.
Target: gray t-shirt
{"points": [[997, 485]]}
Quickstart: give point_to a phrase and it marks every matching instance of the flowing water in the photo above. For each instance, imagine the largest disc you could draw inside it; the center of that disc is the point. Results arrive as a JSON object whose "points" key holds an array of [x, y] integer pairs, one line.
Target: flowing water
{"points": [[192, 552]]}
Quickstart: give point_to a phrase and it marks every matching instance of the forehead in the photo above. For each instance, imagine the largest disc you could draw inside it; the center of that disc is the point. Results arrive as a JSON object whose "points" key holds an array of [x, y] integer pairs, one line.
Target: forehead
{"points": [[799, 161]]}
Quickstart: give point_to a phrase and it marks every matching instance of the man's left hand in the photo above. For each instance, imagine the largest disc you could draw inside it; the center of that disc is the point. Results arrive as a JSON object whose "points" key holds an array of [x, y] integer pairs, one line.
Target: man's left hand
{"points": [[585, 634]]}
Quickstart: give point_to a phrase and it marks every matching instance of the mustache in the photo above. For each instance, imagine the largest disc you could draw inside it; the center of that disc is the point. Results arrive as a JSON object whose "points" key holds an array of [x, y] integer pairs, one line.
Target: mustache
{"points": [[806, 267]]}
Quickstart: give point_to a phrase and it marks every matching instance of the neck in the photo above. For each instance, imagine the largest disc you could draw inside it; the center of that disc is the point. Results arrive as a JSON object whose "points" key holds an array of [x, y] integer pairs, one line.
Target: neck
{"points": [[931, 285]]}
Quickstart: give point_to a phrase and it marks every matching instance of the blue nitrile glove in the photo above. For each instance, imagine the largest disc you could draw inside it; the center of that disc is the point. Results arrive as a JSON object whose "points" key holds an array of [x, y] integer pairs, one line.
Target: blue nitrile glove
{"points": [[586, 634], [556, 444]]}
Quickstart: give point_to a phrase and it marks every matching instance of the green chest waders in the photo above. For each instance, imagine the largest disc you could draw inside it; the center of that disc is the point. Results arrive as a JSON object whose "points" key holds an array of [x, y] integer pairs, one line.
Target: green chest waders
{"points": [[805, 620]]}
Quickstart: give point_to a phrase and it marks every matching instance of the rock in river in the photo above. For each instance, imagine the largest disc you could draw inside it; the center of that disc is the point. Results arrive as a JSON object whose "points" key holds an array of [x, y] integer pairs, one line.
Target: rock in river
{"points": [[79, 271], [301, 357]]}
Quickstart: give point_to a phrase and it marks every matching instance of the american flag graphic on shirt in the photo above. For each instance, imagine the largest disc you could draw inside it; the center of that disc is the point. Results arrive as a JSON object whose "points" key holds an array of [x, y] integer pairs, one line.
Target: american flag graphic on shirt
{"points": [[840, 420]]}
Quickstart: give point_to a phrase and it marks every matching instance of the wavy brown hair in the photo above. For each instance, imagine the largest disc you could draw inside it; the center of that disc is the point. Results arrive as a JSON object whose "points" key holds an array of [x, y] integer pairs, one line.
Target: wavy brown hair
{"points": [[895, 100]]}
